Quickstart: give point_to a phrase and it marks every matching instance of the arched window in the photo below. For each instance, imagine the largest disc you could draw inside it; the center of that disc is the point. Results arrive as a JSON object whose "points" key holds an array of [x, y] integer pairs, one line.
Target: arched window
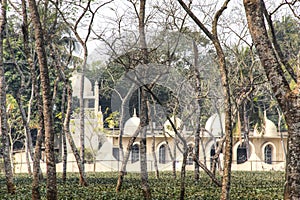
{"points": [[268, 154], [135, 155], [162, 154], [242, 153]]}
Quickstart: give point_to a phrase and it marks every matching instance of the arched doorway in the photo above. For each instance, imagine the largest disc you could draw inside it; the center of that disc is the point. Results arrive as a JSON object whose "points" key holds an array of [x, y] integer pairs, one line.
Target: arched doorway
{"points": [[135, 153], [162, 154], [241, 153], [268, 154]]}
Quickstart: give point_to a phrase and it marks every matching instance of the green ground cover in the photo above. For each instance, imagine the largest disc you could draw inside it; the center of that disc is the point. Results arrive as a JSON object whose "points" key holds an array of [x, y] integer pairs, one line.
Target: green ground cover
{"points": [[245, 185]]}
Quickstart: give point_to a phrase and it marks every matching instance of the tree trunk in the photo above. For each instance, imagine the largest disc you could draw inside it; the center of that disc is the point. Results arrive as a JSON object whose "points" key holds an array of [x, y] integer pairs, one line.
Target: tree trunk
{"points": [[143, 149], [280, 132], [154, 156], [144, 111], [28, 139], [174, 161], [81, 116], [198, 93], [36, 163], [122, 119], [122, 171], [213, 36], [37, 173], [11, 144], [143, 165], [64, 139], [208, 172], [288, 99], [47, 100], [82, 179], [150, 114], [19, 98], [173, 158], [183, 172], [203, 149], [292, 187], [27, 157], [5, 138]]}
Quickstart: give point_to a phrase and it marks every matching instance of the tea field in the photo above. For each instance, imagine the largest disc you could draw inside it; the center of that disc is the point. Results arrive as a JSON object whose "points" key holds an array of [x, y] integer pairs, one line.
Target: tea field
{"points": [[245, 185]]}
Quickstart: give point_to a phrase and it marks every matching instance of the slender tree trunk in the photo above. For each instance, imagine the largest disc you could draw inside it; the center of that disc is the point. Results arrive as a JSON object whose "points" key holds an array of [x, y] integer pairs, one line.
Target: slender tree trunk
{"points": [[198, 92], [150, 115], [174, 161], [36, 161], [144, 111], [154, 155], [27, 157], [82, 120], [121, 150], [208, 172], [283, 145], [153, 151], [47, 100], [213, 36], [203, 149], [28, 139], [19, 98], [280, 133], [5, 138], [246, 129], [143, 161], [197, 145], [82, 180], [143, 147], [173, 158], [122, 171], [216, 159], [11, 144], [122, 118], [64, 139], [183, 172], [37, 173]]}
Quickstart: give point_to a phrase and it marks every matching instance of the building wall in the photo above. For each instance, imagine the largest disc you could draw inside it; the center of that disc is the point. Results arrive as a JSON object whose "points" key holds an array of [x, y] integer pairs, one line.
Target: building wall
{"points": [[105, 160]]}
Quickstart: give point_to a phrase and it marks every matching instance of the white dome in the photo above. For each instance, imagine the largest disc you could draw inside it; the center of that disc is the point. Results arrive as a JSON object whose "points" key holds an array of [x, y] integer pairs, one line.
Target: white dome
{"points": [[132, 124], [213, 125], [168, 127], [270, 127], [75, 79]]}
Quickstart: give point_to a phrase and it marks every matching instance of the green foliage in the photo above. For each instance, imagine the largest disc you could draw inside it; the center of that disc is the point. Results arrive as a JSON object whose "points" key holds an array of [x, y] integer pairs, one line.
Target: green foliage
{"points": [[113, 119], [244, 185], [288, 36], [89, 155]]}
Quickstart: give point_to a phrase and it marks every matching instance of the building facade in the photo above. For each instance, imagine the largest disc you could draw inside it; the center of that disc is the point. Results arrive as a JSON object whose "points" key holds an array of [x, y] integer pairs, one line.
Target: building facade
{"points": [[263, 150]]}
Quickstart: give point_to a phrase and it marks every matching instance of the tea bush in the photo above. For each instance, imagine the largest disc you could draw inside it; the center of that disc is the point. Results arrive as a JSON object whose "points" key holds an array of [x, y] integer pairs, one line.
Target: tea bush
{"points": [[244, 185]]}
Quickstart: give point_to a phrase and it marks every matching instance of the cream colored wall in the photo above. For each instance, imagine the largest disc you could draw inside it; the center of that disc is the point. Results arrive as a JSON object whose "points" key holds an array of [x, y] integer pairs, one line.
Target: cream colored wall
{"points": [[255, 162]]}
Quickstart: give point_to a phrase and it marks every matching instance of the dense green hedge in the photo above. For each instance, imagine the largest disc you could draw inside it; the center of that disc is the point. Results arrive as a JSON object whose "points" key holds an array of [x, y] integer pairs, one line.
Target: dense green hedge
{"points": [[245, 185]]}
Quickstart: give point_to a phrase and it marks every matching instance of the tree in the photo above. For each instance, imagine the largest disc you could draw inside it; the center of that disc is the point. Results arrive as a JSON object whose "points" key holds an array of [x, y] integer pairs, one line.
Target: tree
{"points": [[3, 124], [68, 134], [87, 13], [47, 101], [287, 97], [213, 36], [37, 173], [144, 110], [20, 95]]}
